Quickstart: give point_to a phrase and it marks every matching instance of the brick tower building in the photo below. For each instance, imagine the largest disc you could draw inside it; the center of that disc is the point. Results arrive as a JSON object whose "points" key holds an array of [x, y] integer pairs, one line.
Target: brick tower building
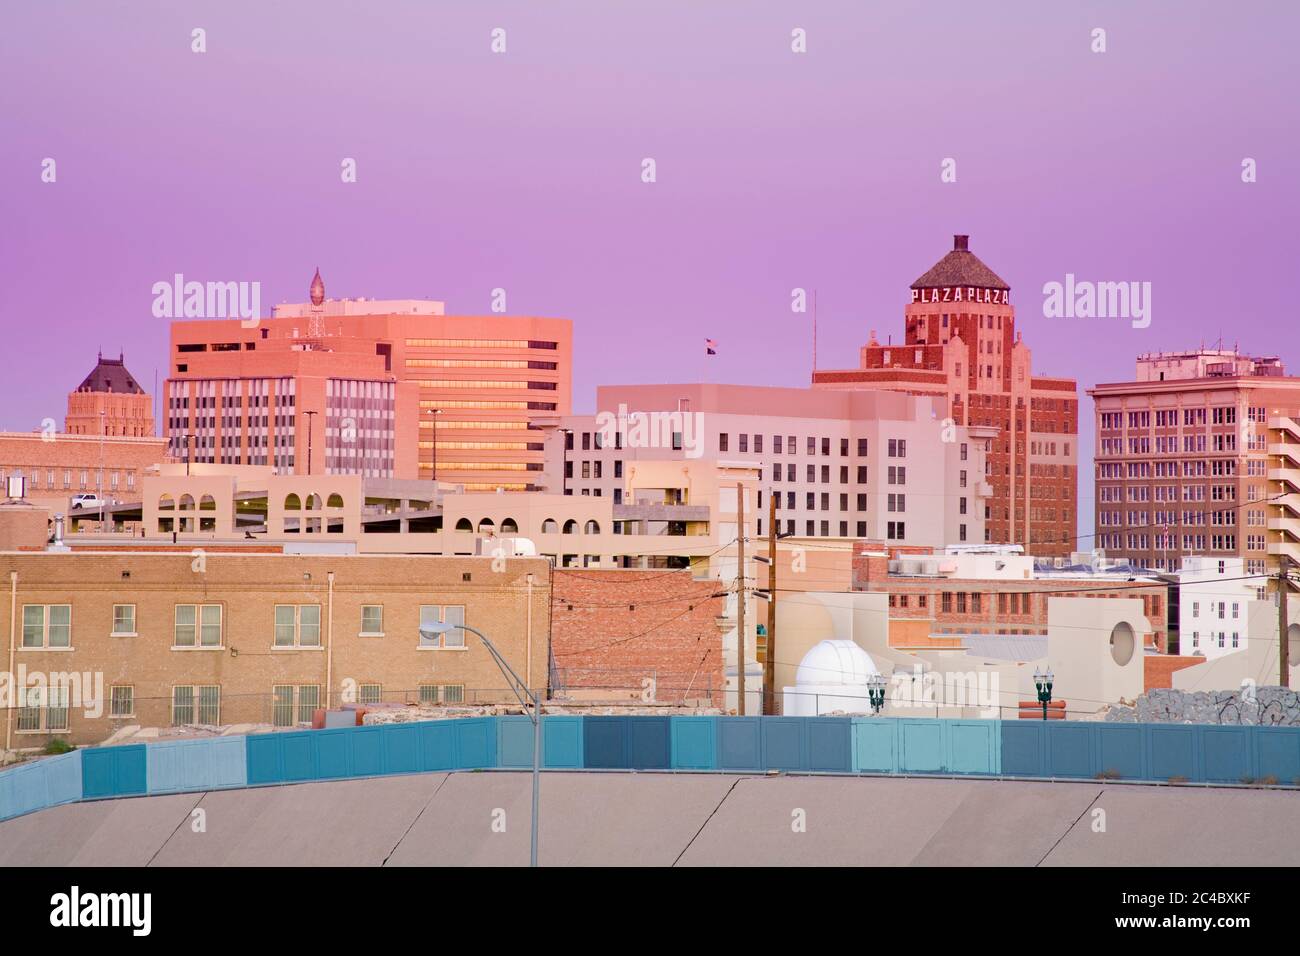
{"points": [[960, 343]]}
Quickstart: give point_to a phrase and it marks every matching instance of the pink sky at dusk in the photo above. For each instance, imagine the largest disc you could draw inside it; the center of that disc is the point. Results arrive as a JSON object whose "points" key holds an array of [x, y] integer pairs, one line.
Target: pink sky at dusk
{"points": [[775, 170]]}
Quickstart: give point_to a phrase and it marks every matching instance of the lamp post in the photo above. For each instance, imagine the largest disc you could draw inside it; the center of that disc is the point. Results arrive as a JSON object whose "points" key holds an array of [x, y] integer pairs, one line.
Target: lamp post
{"points": [[433, 417], [521, 691], [99, 484], [564, 460], [311, 416], [876, 692], [1043, 680]]}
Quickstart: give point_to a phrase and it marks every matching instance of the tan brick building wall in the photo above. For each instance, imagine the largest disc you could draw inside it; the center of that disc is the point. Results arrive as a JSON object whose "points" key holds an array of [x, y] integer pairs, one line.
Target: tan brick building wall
{"points": [[245, 663], [614, 629]]}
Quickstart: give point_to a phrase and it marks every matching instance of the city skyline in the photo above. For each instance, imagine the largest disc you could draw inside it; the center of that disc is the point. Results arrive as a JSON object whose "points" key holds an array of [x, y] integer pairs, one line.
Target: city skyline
{"points": [[783, 171]]}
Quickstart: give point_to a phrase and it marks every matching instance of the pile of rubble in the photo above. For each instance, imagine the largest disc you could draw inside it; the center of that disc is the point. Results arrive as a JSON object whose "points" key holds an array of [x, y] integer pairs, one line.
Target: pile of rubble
{"points": [[1264, 706]]}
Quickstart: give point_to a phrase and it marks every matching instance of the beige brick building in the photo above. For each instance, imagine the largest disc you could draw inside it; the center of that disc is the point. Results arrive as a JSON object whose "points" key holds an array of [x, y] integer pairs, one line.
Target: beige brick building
{"points": [[227, 638]]}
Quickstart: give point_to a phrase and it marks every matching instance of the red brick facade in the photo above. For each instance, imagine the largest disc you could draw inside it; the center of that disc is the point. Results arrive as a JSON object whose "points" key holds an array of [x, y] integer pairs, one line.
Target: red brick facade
{"points": [[613, 630]]}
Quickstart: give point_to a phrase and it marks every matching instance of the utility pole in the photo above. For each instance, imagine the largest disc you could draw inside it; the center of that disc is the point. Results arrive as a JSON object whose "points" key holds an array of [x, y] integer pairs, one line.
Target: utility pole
{"points": [[1283, 641], [740, 598], [769, 661]]}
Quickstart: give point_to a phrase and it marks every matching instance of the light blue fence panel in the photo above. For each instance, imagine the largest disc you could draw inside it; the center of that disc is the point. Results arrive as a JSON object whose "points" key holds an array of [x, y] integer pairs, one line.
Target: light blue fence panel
{"points": [[922, 745], [175, 766], [974, 746], [875, 747], [562, 742], [42, 783]]}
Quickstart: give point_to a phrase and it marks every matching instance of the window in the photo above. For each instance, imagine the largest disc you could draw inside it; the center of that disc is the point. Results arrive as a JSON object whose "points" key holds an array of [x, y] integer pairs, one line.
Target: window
{"points": [[372, 620], [442, 693], [197, 625], [43, 709], [196, 704], [443, 614], [123, 620], [369, 694], [47, 625], [297, 625], [722, 446], [285, 713], [862, 447], [121, 701]]}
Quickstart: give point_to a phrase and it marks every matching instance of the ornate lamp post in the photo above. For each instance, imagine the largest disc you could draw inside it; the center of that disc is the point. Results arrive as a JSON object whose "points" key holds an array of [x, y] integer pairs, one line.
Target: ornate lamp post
{"points": [[1043, 680], [876, 692]]}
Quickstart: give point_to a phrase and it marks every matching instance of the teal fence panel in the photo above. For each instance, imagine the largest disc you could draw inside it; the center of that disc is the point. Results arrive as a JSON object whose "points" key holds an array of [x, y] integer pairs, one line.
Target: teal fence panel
{"points": [[1070, 749], [176, 766], [39, 784], [114, 771], [974, 746], [1120, 750], [562, 742], [922, 745], [1226, 754], [695, 743], [875, 742], [1173, 751], [784, 743], [740, 743], [830, 744], [1277, 753]]}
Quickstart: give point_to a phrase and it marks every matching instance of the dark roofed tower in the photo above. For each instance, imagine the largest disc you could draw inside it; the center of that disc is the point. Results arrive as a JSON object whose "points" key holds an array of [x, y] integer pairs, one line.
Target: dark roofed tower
{"points": [[960, 344], [111, 389]]}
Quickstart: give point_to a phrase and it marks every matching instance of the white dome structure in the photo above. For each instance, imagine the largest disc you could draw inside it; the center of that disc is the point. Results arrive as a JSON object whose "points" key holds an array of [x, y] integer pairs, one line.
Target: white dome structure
{"points": [[832, 677], [835, 662]]}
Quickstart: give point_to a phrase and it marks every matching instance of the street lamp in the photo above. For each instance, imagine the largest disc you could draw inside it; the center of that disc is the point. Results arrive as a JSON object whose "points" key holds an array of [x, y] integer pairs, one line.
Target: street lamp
{"points": [[876, 691], [564, 460], [99, 484], [1043, 680], [433, 630], [433, 417], [311, 416]]}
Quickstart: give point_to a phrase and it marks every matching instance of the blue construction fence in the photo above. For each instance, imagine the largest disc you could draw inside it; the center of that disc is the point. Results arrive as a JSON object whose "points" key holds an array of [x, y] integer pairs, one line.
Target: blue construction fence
{"points": [[1196, 753]]}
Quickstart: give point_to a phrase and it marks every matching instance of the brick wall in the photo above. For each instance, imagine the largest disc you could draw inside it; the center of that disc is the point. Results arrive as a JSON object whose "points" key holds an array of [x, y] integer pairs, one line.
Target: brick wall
{"points": [[246, 663], [613, 629], [1158, 670]]}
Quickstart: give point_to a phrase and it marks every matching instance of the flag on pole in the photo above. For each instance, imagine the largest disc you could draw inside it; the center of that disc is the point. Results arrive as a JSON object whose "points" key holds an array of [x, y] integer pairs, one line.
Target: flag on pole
{"points": [[710, 347]]}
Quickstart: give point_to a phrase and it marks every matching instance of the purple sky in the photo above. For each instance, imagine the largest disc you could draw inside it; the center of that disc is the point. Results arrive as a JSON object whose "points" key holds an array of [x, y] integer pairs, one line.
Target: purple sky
{"points": [[522, 171]]}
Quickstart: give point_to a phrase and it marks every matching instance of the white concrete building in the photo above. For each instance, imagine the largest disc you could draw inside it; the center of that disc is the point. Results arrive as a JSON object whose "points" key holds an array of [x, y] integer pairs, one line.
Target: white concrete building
{"points": [[856, 464], [1213, 594]]}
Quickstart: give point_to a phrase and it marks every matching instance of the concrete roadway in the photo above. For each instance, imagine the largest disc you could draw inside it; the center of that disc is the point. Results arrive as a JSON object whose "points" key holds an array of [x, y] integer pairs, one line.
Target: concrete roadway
{"points": [[665, 819]]}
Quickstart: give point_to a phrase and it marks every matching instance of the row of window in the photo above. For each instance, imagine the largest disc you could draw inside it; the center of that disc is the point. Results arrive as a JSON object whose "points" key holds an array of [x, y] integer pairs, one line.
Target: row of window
{"points": [[45, 710], [201, 625]]}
